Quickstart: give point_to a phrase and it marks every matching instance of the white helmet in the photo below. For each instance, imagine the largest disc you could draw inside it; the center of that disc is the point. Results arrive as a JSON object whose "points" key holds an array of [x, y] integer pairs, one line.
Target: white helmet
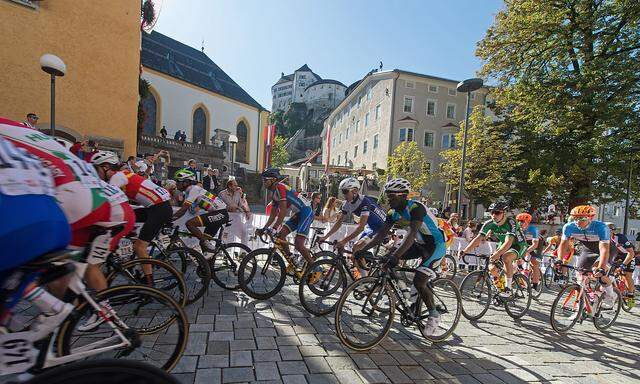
{"points": [[398, 185], [349, 182], [104, 157]]}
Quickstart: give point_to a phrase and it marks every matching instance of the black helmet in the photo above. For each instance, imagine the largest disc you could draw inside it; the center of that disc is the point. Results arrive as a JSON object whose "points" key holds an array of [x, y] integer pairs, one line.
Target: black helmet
{"points": [[498, 206], [273, 173]]}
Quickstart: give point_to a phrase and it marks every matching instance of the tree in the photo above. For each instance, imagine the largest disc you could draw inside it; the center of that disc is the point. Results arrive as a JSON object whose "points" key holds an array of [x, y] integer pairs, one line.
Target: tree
{"points": [[569, 74], [408, 162], [279, 154]]}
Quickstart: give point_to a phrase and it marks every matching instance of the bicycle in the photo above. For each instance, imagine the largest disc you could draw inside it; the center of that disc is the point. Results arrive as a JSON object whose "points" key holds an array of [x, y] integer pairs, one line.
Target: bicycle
{"points": [[577, 302], [168, 246], [528, 272], [372, 302], [618, 277], [555, 275], [448, 266], [478, 288]]}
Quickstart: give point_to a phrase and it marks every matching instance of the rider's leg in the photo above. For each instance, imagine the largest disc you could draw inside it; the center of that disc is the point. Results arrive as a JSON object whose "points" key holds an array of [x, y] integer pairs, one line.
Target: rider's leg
{"points": [[305, 219], [535, 265], [508, 259], [359, 264]]}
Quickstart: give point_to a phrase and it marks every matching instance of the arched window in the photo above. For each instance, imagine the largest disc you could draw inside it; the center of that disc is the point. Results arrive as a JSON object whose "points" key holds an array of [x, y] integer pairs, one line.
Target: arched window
{"points": [[199, 126], [150, 108], [242, 148]]}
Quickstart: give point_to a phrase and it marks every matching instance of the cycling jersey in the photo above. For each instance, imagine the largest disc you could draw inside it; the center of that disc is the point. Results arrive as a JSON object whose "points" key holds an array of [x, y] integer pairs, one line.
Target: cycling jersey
{"points": [[588, 238], [201, 198], [621, 242], [501, 231], [139, 189], [531, 233], [295, 202], [364, 206]]}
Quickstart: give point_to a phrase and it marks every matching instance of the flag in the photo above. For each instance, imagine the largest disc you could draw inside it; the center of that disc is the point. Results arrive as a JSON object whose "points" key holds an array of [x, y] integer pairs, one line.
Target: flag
{"points": [[326, 166], [268, 137]]}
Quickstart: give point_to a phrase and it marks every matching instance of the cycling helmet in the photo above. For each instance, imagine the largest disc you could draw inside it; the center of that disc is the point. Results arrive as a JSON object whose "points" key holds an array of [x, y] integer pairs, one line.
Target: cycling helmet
{"points": [[103, 157], [559, 231], [349, 183], [524, 217], [271, 173], [184, 175], [170, 184], [583, 211], [498, 206], [398, 185]]}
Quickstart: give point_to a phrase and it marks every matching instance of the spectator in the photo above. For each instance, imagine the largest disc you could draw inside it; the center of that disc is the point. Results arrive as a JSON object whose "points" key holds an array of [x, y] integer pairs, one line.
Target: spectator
{"points": [[453, 222], [551, 212], [32, 120], [130, 165], [235, 198], [163, 132], [76, 148], [183, 137], [210, 182], [446, 212], [85, 150], [330, 211], [470, 231], [177, 136], [316, 207], [145, 166]]}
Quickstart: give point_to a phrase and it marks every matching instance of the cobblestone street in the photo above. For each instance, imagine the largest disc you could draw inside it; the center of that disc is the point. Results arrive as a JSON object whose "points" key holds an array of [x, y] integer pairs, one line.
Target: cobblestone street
{"points": [[236, 339]]}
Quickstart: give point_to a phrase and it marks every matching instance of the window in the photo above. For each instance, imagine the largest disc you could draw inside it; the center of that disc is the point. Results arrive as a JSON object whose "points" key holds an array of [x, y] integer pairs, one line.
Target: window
{"points": [[361, 101], [339, 159], [408, 104], [355, 151], [303, 76], [410, 84], [451, 111], [374, 166], [448, 140], [378, 111], [616, 211], [433, 88], [346, 158], [340, 138], [150, 107], [346, 136], [364, 147], [366, 120], [302, 84], [199, 132], [431, 107], [376, 141], [334, 141], [428, 139], [453, 92], [406, 134], [369, 93], [242, 149], [473, 95], [357, 126]]}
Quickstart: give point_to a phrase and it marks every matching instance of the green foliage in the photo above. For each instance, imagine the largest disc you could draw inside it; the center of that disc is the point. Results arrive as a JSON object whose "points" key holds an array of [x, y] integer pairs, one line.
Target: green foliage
{"points": [[297, 117], [568, 73], [408, 162], [147, 12], [279, 155]]}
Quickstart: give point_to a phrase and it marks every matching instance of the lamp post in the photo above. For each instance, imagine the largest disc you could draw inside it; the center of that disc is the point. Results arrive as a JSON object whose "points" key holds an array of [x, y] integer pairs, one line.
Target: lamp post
{"points": [[467, 86], [233, 140], [54, 66]]}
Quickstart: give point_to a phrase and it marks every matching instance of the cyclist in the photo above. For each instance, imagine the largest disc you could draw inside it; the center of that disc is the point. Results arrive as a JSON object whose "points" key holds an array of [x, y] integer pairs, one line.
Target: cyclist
{"points": [[594, 242], [625, 256], [553, 243], [285, 199], [371, 216], [215, 215], [156, 211], [424, 240], [511, 242], [533, 240]]}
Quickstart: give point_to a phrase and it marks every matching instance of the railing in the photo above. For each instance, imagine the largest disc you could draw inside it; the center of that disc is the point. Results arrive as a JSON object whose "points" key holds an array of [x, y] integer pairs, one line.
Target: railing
{"points": [[181, 151]]}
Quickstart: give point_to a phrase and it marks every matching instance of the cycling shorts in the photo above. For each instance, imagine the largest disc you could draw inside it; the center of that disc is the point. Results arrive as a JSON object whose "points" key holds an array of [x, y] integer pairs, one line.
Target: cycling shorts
{"points": [[31, 226], [84, 231], [154, 218], [367, 233], [301, 221], [213, 221], [587, 260], [518, 249], [430, 253]]}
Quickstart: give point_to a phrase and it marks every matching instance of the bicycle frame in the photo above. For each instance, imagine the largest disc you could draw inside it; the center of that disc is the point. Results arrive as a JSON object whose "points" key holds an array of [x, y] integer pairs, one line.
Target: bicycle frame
{"points": [[585, 289]]}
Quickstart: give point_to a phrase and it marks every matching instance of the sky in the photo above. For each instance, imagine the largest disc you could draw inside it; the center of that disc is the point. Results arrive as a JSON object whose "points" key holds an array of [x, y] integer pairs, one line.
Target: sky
{"points": [[253, 41]]}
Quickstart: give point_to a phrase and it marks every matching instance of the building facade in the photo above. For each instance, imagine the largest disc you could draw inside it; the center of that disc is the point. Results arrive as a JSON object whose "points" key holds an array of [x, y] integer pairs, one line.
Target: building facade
{"points": [[191, 94], [305, 86], [386, 108], [98, 97]]}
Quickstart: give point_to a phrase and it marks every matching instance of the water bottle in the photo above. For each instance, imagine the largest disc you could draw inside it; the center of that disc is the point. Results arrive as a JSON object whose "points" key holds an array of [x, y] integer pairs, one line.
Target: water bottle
{"points": [[406, 292]]}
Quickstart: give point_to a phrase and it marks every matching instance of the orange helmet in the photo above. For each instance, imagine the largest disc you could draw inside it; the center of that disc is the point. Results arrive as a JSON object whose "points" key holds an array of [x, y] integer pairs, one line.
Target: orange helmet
{"points": [[524, 217], [583, 211]]}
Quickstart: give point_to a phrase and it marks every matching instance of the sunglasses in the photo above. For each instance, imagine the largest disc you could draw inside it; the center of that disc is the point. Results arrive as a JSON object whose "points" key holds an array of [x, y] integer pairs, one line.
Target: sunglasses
{"points": [[496, 212], [345, 191], [581, 219]]}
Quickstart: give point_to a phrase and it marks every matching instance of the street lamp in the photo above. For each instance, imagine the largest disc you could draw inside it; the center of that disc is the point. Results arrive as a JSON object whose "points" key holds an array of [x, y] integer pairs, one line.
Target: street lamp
{"points": [[467, 86], [54, 66], [233, 140]]}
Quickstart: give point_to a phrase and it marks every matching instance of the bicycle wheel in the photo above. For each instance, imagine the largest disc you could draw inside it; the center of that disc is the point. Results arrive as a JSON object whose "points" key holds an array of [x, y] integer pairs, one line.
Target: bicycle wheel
{"points": [[320, 297], [364, 313], [165, 277], [449, 267], [518, 304], [104, 371], [261, 273], [224, 264], [448, 303], [476, 294], [548, 277], [566, 308], [605, 316], [323, 254], [195, 270], [155, 324]]}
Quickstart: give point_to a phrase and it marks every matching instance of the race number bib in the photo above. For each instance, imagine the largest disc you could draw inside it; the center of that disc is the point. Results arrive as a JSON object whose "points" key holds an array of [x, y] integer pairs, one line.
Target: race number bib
{"points": [[125, 247], [22, 173], [17, 353], [112, 193], [83, 171]]}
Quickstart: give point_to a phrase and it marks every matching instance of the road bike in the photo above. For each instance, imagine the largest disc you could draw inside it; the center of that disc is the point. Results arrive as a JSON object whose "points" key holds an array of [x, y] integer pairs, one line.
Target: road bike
{"points": [[617, 275], [526, 268], [555, 276]]}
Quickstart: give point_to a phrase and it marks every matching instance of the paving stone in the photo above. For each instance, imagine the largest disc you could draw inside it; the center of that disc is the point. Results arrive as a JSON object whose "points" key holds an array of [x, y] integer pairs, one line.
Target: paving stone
{"points": [[322, 378], [242, 345], [317, 365], [265, 332], [288, 340], [416, 373], [312, 350], [241, 359], [213, 361], [237, 375], [267, 371], [290, 353], [218, 348], [266, 356], [206, 319], [243, 334], [395, 374], [487, 378], [436, 371], [266, 343], [372, 376], [197, 344], [363, 361], [187, 364], [294, 379], [348, 376], [200, 328], [292, 367], [208, 376], [220, 336], [340, 363], [383, 359], [184, 378]]}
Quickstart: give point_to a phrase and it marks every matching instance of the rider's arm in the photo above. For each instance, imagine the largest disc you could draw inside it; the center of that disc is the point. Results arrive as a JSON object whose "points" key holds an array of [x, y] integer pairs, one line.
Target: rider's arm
{"points": [[335, 226], [414, 225], [358, 230], [547, 248], [604, 253], [474, 243], [377, 239], [180, 212], [282, 212], [534, 245], [630, 255], [508, 241]]}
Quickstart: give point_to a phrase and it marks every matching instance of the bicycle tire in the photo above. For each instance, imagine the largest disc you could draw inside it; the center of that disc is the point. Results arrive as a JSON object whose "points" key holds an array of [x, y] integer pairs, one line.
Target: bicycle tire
{"points": [[621, 285], [104, 371], [249, 273], [554, 306], [65, 334], [324, 254], [475, 285], [616, 309], [174, 287], [389, 314], [195, 269], [518, 280], [548, 276], [330, 269], [535, 293], [452, 287], [224, 265]]}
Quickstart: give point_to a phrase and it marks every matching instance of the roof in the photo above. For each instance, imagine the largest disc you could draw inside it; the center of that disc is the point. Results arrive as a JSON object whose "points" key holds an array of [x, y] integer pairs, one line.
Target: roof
{"points": [[424, 76], [285, 79], [325, 81], [178, 60], [305, 68], [306, 159]]}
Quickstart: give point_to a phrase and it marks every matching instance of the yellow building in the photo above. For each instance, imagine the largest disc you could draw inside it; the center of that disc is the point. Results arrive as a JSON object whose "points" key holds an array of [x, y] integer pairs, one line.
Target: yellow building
{"points": [[99, 41]]}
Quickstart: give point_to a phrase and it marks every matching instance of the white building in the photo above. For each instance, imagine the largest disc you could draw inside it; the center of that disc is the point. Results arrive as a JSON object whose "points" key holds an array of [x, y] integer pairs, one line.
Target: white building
{"points": [[305, 86], [190, 93]]}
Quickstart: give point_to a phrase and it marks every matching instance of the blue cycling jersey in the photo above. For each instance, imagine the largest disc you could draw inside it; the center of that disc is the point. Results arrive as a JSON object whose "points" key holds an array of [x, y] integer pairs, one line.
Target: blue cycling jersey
{"points": [[295, 201], [531, 233], [415, 211], [587, 239], [364, 206]]}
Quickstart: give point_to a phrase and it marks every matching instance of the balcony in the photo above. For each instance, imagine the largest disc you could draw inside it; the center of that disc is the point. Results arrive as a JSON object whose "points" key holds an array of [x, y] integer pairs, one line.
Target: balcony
{"points": [[182, 151]]}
